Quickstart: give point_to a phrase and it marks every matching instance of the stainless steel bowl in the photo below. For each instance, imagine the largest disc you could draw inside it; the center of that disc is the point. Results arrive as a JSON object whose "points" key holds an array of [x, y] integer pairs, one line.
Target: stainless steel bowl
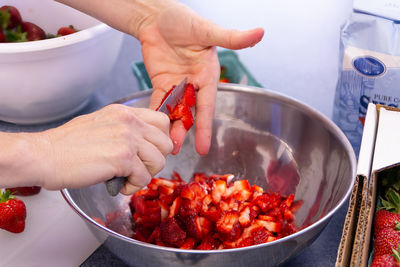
{"points": [[270, 139]]}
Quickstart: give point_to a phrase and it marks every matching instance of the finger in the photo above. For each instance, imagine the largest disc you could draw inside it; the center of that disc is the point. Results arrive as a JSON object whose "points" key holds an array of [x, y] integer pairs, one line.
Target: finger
{"points": [[205, 107], [178, 134], [211, 34], [130, 189], [151, 158], [159, 141], [154, 118], [139, 176]]}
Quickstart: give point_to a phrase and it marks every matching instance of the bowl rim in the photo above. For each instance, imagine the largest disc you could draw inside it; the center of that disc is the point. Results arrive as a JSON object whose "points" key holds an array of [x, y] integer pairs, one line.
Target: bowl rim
{"points": [[328, 123], [56, 42]]}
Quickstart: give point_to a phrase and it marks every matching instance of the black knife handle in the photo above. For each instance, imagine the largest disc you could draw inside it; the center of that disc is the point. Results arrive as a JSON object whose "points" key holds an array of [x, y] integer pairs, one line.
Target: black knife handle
{"points": [[114, 185]]}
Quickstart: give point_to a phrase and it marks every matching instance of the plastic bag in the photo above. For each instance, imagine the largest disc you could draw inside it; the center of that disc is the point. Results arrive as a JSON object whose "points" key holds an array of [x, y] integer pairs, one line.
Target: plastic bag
{"points": [[370, 65]]}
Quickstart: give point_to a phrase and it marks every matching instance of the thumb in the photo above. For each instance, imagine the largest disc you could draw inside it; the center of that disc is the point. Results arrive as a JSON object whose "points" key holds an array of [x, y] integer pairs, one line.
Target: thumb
{"points": [[211, 34]]}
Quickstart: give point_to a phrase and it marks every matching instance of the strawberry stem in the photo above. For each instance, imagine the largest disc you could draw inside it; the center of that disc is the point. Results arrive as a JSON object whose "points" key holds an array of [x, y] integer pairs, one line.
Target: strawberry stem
{"points": [[396, 254], [5, 196], [391, 202]]}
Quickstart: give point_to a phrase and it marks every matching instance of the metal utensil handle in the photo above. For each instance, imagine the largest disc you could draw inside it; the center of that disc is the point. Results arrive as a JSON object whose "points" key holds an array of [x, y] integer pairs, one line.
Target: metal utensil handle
{"points": [[114, 185]]}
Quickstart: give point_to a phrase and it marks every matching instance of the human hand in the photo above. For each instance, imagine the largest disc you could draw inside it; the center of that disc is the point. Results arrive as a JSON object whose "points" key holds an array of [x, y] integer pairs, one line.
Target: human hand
{"points": [[179, 43], [114, 141]]}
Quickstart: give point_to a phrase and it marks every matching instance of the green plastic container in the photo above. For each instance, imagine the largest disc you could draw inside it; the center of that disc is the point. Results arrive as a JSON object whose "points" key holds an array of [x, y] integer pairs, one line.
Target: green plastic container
{"points": [[236, 72]]}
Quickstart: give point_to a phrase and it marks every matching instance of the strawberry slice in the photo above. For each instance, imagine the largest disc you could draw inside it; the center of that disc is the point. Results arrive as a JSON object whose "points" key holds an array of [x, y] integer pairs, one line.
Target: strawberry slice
{"points": [[13, 213]]}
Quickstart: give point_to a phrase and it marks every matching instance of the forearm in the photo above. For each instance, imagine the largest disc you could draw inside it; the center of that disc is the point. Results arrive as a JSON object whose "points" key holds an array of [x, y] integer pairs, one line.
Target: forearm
{"points": [[20, 162], [125, 15]]}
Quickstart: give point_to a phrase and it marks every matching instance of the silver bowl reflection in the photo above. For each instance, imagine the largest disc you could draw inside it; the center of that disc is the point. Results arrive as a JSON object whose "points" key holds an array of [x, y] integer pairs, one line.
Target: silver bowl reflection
{"points": [[272, 140]]}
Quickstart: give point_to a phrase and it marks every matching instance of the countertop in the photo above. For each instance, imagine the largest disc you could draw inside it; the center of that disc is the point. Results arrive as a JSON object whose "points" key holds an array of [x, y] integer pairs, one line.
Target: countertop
{"points": [[303, 68]]}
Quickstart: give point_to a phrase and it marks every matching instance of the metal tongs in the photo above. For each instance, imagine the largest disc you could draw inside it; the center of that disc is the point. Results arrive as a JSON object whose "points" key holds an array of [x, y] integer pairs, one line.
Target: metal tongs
{"points": [[114, 185]]}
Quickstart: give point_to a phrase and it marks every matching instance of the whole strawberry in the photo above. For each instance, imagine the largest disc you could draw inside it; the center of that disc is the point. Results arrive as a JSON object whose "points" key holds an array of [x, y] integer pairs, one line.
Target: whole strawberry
{"points": [[387, 240], [25, 190], [386, 260], [12, 213], [385, 219]]}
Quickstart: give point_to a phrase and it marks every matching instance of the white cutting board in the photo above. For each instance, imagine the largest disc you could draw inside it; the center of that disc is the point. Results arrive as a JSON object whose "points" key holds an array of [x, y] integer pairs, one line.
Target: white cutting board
{"points": [[54, 235]]}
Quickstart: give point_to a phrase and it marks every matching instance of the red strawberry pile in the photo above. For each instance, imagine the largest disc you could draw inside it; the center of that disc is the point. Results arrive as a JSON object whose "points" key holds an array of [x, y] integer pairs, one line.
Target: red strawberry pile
{"points": [[14, 29], [211, 212], [182, 110], [387, 230]]}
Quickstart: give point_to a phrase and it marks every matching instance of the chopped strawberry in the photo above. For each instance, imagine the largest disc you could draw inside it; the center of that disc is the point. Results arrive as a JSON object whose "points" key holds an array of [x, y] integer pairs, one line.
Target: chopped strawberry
{"points": [[13, 213], [268, 201], [193, 191], [208, 243], [241, 190], [212, 212], [156, 182], [176, 177], [176, 205], [219, 190], [172, 233], [25, 190], [270, 225], [182, 110], [155, 235], [260, 235], [183, 113], [189, 208], [189, 243], [228, 225], [189, 97]]}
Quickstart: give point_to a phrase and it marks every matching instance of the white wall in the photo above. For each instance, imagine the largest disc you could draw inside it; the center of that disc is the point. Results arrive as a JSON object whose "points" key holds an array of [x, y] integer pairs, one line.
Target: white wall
{"points": [[299, 53]]}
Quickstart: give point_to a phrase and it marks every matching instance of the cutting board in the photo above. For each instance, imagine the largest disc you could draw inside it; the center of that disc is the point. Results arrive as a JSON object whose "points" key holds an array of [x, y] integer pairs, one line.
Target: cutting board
{"points": [[54, 235]]}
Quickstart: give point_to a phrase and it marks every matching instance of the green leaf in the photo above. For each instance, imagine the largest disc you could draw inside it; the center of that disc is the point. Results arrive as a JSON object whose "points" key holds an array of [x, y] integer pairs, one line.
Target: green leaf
{"points": [[4, 18], [391, 202]]}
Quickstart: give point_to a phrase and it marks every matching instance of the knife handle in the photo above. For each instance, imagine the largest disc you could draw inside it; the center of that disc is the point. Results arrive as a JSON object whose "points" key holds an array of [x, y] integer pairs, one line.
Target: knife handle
{"points": [[114, 185]]}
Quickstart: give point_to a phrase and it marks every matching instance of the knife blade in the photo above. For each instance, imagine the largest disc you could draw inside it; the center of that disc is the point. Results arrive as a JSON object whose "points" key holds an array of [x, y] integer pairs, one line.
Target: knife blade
{"points": [[115, 184]]}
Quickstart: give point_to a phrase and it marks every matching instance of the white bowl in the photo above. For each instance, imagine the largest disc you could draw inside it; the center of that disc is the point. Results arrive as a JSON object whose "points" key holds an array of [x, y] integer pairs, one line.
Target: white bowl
{"points": [[46, 80]]}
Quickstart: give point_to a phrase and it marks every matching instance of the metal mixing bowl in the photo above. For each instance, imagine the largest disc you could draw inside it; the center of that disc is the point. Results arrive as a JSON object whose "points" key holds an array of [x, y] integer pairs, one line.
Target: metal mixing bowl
{"points": [[272, 140]]}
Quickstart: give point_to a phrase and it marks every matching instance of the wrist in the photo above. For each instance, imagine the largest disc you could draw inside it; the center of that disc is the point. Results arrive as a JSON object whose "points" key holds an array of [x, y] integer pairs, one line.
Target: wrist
{"points": [[20, 161], [128, 16]]}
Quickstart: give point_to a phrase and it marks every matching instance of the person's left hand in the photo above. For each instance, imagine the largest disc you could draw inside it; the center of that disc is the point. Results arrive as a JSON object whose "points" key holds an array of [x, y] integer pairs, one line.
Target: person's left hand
{"points": [[179, 43]]}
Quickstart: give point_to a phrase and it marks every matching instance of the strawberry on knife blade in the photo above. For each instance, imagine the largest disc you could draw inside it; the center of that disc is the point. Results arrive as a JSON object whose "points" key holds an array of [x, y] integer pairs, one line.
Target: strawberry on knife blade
{"points": [[12, 213], [182, 109]]}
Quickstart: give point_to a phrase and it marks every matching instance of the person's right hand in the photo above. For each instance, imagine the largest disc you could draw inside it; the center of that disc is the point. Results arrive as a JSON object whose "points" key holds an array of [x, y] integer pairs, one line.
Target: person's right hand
{"points": [[114, 141]]}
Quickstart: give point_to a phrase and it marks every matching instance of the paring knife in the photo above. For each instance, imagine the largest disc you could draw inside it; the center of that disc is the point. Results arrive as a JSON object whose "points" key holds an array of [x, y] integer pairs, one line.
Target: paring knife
{"points": [[114, 185]]}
